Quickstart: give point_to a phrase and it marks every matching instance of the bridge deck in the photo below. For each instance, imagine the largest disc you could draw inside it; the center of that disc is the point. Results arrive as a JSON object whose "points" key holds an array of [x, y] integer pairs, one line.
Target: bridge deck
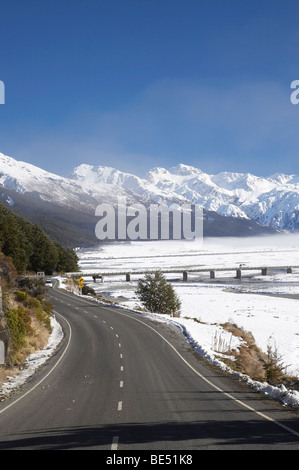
{"points": [[184, 270]]}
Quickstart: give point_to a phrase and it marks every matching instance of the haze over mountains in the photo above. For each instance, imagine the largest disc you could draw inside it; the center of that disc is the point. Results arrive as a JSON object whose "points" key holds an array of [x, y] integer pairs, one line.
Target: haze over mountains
{"points": [[235, 203]]}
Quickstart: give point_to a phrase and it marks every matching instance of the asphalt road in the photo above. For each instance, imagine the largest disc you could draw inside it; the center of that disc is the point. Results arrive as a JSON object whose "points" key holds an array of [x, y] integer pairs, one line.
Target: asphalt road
{"points": [[120, 381]]}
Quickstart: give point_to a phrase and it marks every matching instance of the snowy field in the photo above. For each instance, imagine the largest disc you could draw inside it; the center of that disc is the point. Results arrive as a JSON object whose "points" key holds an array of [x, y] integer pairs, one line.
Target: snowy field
{"points": [[273, 321]]}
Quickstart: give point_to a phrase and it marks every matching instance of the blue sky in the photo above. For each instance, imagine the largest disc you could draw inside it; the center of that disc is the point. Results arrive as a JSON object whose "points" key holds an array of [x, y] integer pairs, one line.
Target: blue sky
{"points": [[136, 84]]}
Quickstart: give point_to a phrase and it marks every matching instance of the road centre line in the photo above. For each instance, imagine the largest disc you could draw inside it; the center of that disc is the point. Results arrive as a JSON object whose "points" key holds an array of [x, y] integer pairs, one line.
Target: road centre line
{"points": [[114, 445]]}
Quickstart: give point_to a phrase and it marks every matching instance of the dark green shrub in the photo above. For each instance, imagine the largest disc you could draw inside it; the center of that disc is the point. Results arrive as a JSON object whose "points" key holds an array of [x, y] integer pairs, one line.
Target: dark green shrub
{"points": [[21, 296], [157, 295], [19, 324]]}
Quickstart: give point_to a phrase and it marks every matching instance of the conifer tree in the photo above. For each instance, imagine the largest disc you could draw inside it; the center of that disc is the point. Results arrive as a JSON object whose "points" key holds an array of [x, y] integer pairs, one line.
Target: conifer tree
{"points": [[157, 295]]}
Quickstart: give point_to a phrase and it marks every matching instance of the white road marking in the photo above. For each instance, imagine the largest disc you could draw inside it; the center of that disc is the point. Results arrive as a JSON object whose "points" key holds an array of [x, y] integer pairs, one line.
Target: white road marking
{"points": [[114, 445], [50, 371]]}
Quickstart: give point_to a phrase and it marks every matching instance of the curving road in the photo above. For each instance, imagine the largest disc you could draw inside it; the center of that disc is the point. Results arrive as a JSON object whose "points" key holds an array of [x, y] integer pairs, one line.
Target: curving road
{"points": [[120, 381]]}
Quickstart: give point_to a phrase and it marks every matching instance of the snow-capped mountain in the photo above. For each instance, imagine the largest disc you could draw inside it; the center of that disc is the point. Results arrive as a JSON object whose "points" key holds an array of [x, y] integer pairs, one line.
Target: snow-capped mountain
{"points": [[24, 178], [271, 201], [95, 176], [234, 203]]}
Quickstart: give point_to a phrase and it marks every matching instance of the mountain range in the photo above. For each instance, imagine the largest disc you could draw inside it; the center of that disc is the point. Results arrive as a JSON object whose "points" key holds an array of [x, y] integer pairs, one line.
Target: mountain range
{"points": [[272, 201], [235, 204]]}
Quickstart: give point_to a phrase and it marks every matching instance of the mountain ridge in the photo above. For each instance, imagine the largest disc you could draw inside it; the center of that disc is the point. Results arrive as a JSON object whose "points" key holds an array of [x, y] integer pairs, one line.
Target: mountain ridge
{"points": [[272, 201], [235, 204]]}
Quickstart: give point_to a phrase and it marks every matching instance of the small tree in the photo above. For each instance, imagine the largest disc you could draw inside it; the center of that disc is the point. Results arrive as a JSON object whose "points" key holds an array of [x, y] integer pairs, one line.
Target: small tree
{"points": [[274, 367], [157, 295]]}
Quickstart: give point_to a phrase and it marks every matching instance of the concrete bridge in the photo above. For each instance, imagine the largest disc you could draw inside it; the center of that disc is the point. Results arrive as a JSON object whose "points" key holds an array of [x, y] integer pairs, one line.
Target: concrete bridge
{"points": [[185, 271]]}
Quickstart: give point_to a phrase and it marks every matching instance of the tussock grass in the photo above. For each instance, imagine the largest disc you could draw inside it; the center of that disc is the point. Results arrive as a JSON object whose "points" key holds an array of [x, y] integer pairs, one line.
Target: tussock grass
{"points": [[252, 361], [248, 358]]}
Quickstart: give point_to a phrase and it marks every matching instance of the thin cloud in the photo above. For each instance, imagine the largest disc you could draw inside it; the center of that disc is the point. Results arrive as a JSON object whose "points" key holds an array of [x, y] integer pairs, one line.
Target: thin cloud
{"points": [[250, 124]]}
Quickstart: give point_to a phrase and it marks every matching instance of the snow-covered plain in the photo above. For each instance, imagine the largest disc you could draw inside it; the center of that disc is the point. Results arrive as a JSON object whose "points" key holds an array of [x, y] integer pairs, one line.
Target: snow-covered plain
{"points": [[273, 320]]}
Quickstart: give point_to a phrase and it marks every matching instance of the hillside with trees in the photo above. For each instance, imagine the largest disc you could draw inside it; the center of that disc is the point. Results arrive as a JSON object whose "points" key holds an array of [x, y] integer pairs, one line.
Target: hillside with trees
{"points": [[25, 316], [30, 248], [25, 312]]}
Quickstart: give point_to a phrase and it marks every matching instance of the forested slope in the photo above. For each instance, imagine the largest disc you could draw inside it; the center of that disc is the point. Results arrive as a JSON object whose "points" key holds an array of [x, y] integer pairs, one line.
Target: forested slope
{"points": [[30, 248]]}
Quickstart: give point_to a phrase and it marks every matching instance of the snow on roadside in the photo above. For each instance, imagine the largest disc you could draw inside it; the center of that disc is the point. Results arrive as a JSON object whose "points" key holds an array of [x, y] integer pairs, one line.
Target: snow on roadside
{"points": [[272, 321], [34, 360]]}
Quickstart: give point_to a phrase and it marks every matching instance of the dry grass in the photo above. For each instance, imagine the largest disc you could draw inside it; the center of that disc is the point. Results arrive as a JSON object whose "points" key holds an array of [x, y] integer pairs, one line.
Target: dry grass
{"points": [[251, 361], [36, 315], [248, 358], [36, 341]]}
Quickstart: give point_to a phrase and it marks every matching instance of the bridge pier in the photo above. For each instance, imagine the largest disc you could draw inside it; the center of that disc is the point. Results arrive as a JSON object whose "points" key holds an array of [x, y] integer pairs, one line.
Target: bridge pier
{"points": [[239, 274], [128, 277], [212, 274], [185, 276], [289, 270], [264, 271]]}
